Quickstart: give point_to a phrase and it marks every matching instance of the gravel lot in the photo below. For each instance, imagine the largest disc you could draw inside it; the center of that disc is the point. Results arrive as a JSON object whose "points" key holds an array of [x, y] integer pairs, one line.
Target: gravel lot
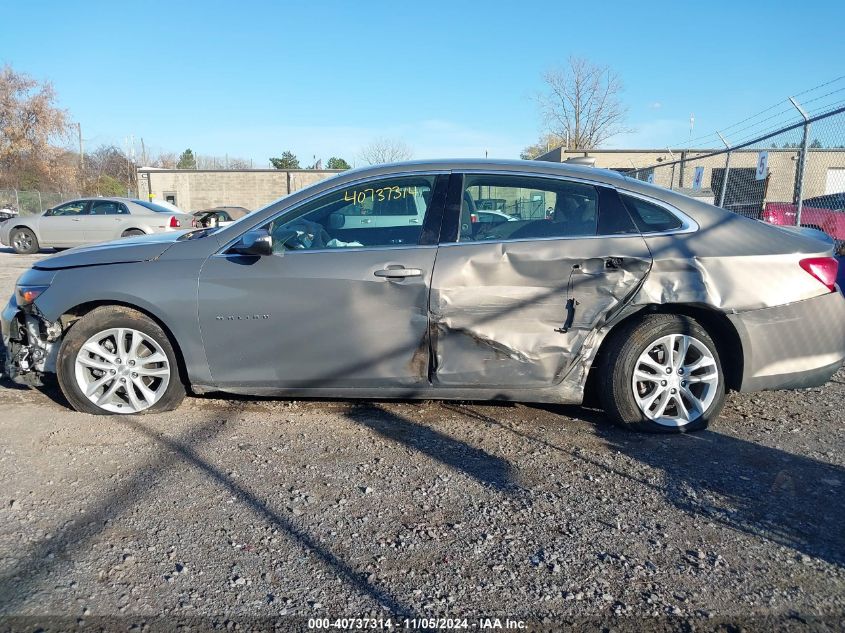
{"points": [[238, 508]]}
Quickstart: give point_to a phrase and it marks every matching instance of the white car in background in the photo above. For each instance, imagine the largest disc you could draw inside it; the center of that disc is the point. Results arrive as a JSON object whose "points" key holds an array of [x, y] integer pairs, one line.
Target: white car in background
{"points": [[89, 221]]}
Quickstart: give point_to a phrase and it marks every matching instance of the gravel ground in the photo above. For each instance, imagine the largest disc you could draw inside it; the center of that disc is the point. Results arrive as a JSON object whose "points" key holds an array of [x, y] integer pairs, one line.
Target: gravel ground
{"points": [[238, 508]]}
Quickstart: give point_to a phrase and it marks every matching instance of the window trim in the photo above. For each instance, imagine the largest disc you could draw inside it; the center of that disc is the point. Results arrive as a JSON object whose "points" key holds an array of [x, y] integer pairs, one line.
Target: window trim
{"points": [[435, 173], [688, 225]]}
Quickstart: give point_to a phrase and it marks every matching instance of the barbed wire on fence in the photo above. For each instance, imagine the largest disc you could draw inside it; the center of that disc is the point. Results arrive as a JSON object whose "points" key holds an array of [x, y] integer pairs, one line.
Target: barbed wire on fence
{"points": [[790, 175]]}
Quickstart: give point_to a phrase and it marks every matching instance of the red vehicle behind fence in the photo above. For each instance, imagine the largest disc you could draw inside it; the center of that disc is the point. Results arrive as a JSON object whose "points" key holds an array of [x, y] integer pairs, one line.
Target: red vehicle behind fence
{"points": [[826, 213]]}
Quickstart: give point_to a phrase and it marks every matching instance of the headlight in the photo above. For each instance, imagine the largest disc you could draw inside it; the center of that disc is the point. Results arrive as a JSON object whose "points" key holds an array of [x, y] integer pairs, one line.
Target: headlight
{"points": [[27, 294]]}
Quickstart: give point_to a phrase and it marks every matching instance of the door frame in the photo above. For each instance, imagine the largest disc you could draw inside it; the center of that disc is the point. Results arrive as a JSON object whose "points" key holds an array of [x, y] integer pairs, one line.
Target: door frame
{"points": [[428, 241], [50, 242]]}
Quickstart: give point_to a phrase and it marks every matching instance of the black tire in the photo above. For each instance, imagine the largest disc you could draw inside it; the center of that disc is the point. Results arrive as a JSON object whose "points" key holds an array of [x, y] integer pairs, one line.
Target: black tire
{"points": [[24, 242], [133, 233], [99, 320], [620, 359]]}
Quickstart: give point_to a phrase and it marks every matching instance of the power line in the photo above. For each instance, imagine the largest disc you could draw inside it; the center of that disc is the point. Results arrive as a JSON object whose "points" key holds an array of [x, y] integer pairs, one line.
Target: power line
{"points": [[827, 83], [715, 135]]}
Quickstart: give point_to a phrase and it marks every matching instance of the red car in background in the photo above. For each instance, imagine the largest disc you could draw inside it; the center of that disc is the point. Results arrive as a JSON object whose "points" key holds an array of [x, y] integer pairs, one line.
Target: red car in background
{"points": [[826, 213]]}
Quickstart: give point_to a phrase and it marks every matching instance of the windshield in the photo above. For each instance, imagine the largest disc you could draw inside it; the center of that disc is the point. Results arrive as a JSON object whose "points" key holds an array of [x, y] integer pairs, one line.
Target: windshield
{"points": [[248, 216]]}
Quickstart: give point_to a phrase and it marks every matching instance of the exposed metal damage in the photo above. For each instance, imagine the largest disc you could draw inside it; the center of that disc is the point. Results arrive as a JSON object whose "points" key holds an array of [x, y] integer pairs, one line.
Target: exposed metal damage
{"points": [[32, 346]]}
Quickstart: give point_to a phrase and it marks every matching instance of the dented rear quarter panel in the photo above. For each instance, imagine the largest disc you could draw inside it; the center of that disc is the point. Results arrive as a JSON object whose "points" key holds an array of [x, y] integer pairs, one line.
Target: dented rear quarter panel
{"points": [[730, 262]]}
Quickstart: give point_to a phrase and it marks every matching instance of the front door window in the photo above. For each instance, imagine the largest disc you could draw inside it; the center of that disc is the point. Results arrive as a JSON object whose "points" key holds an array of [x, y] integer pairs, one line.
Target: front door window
{"points": [[71, 209], [383, 213]]}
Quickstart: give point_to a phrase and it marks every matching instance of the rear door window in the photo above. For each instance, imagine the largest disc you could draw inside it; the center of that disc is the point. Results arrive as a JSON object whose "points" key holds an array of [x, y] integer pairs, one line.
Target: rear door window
{"points": [[107, 207], [502, 207]]}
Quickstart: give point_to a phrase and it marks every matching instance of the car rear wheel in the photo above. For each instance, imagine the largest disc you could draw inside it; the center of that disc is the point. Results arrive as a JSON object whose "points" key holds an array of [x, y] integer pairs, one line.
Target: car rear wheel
{"points": [[24, 241], [116, 360], [133, 233], [662, 374]]}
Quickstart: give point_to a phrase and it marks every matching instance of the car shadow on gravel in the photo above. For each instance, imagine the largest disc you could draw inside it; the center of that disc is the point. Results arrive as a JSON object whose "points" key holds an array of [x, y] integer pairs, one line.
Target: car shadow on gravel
{"points": [[487, 469], [32, 568], [357, 580], [55, 550], [49, 389], [795, 501], [766, 492]]}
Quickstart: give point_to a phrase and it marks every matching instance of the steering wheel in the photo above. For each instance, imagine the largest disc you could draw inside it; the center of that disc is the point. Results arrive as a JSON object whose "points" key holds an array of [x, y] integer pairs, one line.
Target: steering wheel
{"points": [[309, 235]]}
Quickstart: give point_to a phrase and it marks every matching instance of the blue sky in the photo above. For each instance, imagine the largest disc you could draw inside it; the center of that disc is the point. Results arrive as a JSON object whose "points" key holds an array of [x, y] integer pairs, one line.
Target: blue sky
{"points": [[451, 78]]}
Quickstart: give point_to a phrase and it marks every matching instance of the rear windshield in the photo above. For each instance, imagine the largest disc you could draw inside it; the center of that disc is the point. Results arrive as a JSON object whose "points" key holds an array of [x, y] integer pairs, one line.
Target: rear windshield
{"points": [[152, 206]]}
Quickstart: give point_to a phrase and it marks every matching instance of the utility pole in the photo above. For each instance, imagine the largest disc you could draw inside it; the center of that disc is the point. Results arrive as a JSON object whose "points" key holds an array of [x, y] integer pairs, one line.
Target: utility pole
{"points": [[81, 156], [81, 149], [143, 153]]}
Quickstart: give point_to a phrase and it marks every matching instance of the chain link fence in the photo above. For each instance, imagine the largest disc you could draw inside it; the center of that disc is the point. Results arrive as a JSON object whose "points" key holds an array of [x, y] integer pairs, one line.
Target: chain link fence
{"points": [[794, 175], [32, 202]]}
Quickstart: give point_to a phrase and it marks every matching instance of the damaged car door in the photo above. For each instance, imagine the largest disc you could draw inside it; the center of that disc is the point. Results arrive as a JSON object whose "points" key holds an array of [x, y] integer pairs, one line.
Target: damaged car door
{"points": [[338, 304], [514, 302]]}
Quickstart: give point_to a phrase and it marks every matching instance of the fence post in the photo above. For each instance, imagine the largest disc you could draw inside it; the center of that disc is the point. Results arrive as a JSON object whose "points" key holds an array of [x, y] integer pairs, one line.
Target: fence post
{"points": [[727, 172], [672, 175], [802, 164]]}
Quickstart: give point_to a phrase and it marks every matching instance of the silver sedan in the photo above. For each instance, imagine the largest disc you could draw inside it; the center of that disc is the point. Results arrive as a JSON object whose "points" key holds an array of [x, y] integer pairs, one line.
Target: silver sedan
{"points": [[89, 221], [378, 283]]}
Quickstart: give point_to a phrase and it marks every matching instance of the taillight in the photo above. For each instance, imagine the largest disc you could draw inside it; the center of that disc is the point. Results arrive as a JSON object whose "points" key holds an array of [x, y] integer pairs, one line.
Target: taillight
{"points": [[473, 217], [822, 268], [175, 223]]}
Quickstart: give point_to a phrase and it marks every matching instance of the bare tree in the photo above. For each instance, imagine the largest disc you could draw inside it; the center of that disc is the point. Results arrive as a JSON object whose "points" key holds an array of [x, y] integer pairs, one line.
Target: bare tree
{"points": [[165, 160], [30, 127], [109, 171], [385, 150], [582, 103], [546, 143], [239, 163]]}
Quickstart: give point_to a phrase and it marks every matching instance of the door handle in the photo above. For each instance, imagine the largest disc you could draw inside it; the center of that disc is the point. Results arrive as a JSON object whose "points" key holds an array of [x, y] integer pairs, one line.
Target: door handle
{"points": [[398, 273]]}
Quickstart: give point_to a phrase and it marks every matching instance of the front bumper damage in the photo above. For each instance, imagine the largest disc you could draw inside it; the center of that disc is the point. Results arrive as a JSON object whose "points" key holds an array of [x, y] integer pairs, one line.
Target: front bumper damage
{"points": [[30, 344]]}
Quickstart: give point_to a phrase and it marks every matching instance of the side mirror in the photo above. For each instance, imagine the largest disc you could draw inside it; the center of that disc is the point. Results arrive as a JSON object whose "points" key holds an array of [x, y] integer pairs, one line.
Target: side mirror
{"points": [[257, 243]]}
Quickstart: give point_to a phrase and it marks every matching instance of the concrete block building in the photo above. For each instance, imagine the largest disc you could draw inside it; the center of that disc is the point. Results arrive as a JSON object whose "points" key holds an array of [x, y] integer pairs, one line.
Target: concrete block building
{"points": [[194, 189]]}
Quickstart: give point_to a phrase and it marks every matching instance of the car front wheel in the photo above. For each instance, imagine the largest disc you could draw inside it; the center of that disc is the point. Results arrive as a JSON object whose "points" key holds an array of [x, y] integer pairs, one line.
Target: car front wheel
{"points": [[662, 374], [24, 241], [116, 360]]}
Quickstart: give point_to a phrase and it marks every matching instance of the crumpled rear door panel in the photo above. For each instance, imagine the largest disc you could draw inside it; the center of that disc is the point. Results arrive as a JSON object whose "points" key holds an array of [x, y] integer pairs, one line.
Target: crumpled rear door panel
{"points": [[516, 314]]}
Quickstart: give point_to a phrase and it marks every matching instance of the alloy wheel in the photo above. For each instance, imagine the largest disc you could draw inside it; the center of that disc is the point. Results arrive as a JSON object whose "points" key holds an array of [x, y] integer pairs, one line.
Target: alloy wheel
{"points": [[22, 241], [122, 370], [675, 380]]}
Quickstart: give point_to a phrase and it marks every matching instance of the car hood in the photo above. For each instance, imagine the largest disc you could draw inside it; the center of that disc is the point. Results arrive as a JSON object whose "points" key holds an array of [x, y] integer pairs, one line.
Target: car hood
{"points": [[123, 251]]}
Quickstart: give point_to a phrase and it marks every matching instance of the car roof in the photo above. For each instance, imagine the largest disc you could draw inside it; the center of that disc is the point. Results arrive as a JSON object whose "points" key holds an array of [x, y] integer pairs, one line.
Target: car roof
{"points": [[490, 164]]}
